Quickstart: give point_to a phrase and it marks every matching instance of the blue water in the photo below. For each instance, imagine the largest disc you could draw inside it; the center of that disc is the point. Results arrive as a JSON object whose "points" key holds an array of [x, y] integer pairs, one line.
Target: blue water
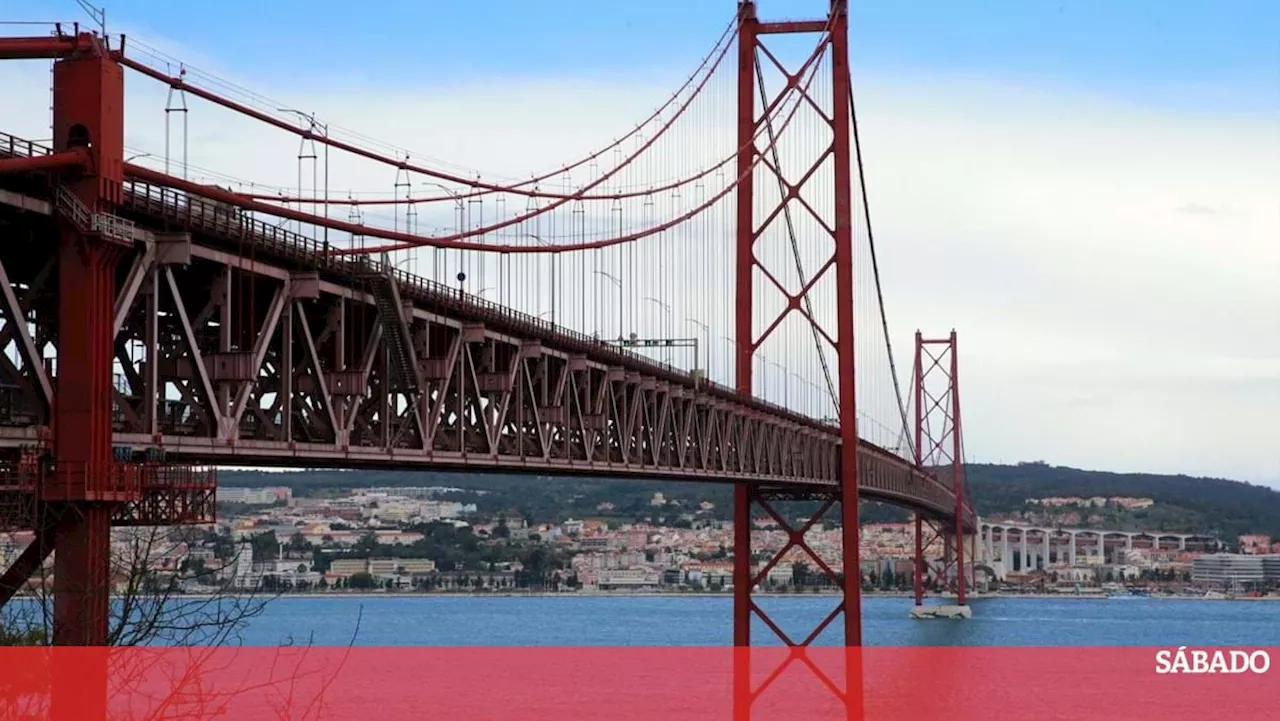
{"points": [[375, 620]]}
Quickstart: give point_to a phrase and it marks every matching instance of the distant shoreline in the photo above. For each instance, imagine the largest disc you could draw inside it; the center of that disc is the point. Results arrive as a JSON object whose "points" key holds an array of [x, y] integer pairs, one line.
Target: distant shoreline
{"points": [[350, 594]]}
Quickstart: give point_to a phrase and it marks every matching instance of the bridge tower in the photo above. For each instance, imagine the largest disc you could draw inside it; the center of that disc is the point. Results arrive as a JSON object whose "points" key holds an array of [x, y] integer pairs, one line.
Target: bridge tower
{"points": [[74, 484], [939, 448], [829, 179], [88, 112]]}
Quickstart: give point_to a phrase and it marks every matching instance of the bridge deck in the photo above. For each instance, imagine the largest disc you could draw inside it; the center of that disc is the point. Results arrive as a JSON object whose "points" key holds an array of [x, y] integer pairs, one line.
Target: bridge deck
{"points": [[496, 389]]}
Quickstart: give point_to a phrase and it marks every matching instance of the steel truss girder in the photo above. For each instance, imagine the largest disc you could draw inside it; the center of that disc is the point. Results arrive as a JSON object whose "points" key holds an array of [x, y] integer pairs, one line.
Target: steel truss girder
{"points": [[488, 400], [150, 493], [565, 406]]}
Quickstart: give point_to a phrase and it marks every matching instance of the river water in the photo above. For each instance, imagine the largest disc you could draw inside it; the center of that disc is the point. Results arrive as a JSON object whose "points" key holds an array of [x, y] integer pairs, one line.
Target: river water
{"points": [[439, 620]]}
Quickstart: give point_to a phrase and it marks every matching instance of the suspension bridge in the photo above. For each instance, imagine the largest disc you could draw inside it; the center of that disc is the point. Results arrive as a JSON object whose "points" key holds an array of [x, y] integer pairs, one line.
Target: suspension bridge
{"points": [[697, 299]]}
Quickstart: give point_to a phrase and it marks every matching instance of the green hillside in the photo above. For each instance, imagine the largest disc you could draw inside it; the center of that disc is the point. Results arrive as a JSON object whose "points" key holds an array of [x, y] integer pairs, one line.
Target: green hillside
{"points": [[1182, 503]]}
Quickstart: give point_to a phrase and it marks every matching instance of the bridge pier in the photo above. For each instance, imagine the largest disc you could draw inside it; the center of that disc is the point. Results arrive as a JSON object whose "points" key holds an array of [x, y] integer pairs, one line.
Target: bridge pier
{"points": [[73, 484], [88, 112]]}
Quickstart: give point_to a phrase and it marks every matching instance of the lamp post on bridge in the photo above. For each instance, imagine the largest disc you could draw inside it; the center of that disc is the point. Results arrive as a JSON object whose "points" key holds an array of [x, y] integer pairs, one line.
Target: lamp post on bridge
{"points": [[313, 125], [461, 207], [764, 377], [667, 309], [402, 261], [786, 395], [555, 261], [706, 333], [614, 278]]}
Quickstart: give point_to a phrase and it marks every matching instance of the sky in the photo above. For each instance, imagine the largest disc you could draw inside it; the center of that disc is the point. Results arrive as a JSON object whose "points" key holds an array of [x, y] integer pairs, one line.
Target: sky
{"points": [[1089, 192]]}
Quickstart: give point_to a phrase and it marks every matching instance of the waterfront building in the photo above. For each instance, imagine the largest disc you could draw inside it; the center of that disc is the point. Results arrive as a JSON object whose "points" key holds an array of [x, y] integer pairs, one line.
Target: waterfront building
{"points": [[1237, 570], [254, 496]]}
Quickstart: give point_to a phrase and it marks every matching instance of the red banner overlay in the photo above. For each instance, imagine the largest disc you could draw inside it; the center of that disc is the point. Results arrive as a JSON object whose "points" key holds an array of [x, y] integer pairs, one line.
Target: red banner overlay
{"points": [[640, 684]]}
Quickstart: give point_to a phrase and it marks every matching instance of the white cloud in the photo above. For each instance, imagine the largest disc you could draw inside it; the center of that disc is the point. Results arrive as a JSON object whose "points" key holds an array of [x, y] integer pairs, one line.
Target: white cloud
{"points": [[1113, 271], [1103, 324]]}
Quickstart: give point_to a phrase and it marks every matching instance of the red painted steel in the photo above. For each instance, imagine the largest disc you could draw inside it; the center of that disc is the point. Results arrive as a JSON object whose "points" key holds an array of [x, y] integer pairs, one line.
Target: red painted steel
{"points": [[845, 304], [88, 113], [58, 45], [68, 484], [744, 332], [834, 31], [708, 432], [747, 342], [70, 159], [463, 383], [939, 450]]}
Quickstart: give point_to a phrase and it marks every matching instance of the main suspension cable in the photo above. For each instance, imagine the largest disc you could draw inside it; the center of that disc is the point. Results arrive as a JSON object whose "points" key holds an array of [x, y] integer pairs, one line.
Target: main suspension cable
{"points": [[875, 269], [727, 34], [404, 241], [482, 187], [809, 68]]}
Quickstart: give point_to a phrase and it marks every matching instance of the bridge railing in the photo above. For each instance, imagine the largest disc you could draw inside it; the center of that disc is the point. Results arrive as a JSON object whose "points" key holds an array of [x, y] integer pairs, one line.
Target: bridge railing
{"points": [[15, 147]]}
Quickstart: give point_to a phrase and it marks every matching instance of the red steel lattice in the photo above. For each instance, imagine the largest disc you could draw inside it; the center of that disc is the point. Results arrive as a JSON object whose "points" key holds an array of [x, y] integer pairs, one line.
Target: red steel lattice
{"points": [[351, 363], [939, 450]]}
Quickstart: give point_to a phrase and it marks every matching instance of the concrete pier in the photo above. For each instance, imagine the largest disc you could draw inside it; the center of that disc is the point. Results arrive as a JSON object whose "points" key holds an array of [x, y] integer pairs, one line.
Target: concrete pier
{"points": [[953, 612]]}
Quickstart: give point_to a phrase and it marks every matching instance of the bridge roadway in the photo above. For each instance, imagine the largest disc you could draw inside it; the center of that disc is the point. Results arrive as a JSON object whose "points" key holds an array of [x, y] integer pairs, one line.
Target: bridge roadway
{"points": [[272, 351]]}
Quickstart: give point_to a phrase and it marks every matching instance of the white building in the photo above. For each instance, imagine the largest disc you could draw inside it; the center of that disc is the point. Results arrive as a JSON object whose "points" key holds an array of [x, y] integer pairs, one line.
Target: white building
{"points": [[1236, 570], [242, 574], [634, 578], [254, 496]]}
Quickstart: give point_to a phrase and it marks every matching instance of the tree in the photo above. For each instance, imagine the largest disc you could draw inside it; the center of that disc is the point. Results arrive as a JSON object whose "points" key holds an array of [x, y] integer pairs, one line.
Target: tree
{"points": [[150, 606], [265, 546], [298, 543], [366, 545], [184, 685], [361, 580], [800, 574]]}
